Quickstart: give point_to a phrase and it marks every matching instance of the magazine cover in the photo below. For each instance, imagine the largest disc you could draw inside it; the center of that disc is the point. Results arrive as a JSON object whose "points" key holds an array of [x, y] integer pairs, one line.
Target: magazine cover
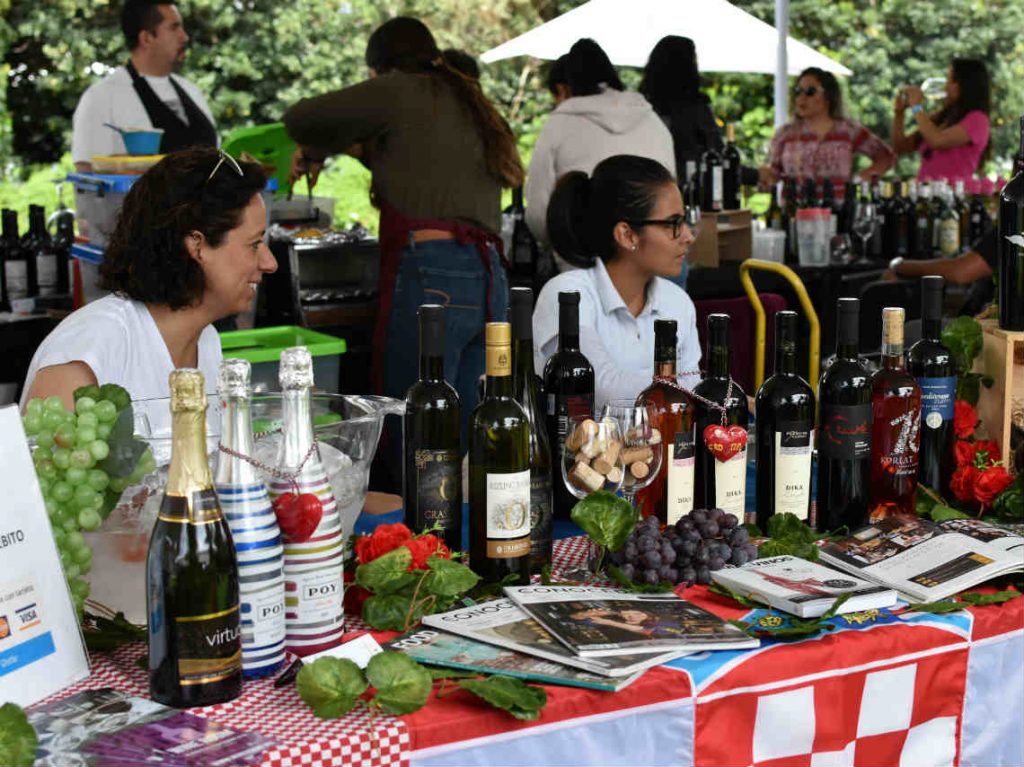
{"points": [[805, 589], [594, 621], [439, 648], [502, 623], [926, 561]]}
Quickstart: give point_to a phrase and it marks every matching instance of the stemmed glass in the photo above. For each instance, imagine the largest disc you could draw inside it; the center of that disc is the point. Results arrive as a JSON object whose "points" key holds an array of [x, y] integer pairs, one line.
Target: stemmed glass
{"points": [[864, 223], [642, 450]]}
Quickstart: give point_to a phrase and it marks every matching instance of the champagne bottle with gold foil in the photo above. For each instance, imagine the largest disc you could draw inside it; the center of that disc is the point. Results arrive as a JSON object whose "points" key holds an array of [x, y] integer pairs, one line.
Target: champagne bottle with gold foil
{"points": [[499, 470], [195, 639]]}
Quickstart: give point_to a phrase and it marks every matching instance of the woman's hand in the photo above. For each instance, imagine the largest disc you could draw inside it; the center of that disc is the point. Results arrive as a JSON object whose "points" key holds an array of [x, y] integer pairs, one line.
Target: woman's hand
{"points": [[899, 106], [913, 95], [303, 165], [765, 177]]}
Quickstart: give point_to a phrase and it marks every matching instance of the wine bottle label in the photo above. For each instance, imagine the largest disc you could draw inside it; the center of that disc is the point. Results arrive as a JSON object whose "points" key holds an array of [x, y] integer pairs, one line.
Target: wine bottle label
{"points": [[508, 514], [566, 407], [438, 487], [949, 237], [793, 444], [731, 485], [682, 459], [540, 512], [898, 442], [46, 273], [17, 279], [845, 432], [716, 187], [937, 398], [209, 646]]}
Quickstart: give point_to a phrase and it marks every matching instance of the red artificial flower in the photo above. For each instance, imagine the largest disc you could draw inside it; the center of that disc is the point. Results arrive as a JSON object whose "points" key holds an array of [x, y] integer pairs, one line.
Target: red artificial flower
{"points": [[384, 539], [962, 483], [990, 446], [964, 452], [423, 548], [990, 483], [965, 419]]}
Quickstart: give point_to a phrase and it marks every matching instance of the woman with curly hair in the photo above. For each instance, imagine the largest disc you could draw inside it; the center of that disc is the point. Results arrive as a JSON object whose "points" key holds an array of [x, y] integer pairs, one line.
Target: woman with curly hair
{"points": [[188, 249]]}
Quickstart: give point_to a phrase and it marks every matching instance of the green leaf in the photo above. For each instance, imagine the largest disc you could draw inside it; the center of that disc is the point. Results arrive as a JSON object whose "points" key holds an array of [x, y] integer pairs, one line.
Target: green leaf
{"points": [[403, 685], [18, 741], [831, 612], [942, 513], [331, 686], [963, 337], [103, 634], [924, 505], [389, 612], [90, 390], [521, 700], [387, 573], [968, 388], [630, 585], [447, 578], [606, 518], [724, 591], [790, 527], [125, 450], [977, 598], [1009, 504], [942, 606]]}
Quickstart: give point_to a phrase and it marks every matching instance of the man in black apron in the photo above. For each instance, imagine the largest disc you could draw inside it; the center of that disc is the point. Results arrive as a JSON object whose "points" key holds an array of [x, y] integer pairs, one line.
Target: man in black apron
{"points": [[144, 93]]}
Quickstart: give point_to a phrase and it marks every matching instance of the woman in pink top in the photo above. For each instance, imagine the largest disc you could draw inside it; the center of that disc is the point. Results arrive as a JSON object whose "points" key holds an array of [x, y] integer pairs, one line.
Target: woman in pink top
{"points": [[821, 143], [953, 141]]}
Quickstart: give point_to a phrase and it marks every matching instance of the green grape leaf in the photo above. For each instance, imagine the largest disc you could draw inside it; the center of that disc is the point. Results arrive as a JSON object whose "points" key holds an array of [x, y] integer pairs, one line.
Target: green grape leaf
{"points": [[940, 513], [388, 573], [606, 518], [388, 612], [331, 686], [447, 578], [103, 634], [963, 337], [788, 526], [924, 504], [91, 390], [117, 394], [942, 606], [521, 700], [724, 591], [403, 685], [125, 450], [1009, 504], [18, 740], [976, 598], [484, 590]]}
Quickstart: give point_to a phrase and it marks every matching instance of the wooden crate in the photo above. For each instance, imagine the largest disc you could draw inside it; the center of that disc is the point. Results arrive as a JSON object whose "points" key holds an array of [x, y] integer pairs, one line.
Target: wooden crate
{"points": [[1002, 357], [724, 236]]}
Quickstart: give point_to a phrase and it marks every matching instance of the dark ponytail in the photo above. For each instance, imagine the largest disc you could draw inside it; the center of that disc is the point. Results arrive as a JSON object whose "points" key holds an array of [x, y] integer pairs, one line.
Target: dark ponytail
{"points": [[584, 211], [587, 68]]}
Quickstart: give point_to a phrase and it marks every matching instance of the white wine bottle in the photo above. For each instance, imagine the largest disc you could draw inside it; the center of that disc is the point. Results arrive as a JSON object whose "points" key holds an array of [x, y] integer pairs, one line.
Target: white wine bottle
{"points": [[244, 500], [195, 644], [314, 615]]}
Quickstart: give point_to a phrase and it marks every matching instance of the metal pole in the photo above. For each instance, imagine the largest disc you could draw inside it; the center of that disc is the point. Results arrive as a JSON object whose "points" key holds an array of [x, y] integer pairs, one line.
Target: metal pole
{"points": [[781, 63]]}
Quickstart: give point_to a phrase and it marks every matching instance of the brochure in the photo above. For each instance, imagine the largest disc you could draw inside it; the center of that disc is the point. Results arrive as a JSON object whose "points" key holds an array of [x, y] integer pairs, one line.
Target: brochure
{"points": [[593, 621], [440, 648], [502, 623], [926, 561], [802, 588]]}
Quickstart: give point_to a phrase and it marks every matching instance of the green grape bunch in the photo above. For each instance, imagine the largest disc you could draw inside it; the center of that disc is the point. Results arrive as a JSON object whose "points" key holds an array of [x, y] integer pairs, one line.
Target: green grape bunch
{"points": [[84, 459]]}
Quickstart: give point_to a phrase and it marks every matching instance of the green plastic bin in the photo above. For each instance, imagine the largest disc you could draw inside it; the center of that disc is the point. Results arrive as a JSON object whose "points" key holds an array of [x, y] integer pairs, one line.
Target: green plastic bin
{"points": [[262, 347], [269, 144]]}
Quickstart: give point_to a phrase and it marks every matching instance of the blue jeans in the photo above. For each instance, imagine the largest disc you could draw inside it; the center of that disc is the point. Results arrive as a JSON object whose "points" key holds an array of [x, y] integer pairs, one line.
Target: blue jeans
{"points": [[444, 272]]}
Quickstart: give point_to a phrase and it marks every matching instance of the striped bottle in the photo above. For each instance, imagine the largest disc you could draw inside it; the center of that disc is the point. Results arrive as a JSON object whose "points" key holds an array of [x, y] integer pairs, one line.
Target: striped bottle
{"points": [[314, 615], [244, 501]]}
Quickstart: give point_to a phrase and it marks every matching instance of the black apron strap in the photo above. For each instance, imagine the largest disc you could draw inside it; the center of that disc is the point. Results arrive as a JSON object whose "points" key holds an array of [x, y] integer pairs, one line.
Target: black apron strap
{"points": [[199, 131]]}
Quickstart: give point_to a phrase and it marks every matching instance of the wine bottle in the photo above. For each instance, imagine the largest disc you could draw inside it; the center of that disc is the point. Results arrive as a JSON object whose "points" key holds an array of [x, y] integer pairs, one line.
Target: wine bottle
{"points": [[499, 470], [947, 224], [62, 242], [924, 223], [785, 432], [16, 265], [847, 209], [773, 218], [1011, 247], [963, 212], [314, 616], [932, 364], [244, 500], [844, 432], [979, 219], [731, 170], [711, 180], [670, 495], [195, 636], [895, 428], [828, 202], [720, 484], [789, 216], [878, 235], [526, 391], [432, 469], [39, 247], [569, 388]]}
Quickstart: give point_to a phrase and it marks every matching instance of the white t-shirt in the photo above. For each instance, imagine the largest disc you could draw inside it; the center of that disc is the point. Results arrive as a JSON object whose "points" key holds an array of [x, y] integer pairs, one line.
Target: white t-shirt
{"points": [[119, 340], [114, 100]]}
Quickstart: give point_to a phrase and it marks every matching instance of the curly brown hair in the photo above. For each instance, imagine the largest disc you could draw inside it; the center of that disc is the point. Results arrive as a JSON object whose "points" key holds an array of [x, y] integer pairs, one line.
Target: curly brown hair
{"points": [[146, 258]]}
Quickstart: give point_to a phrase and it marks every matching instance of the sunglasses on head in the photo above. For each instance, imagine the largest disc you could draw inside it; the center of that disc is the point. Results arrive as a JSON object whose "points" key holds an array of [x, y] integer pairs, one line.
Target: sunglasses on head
{"points": [[809, 91], [231, 162]]}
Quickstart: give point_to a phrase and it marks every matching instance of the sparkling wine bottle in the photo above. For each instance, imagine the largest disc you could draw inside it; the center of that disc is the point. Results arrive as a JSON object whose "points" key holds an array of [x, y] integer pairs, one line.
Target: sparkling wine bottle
{"points": [[244, 500], [896, 424], [314, 616], [195, 643]]}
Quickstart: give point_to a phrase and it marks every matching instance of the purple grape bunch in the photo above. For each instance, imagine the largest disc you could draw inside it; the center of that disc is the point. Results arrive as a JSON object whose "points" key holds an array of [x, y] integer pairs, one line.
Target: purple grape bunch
{"points": [[686, 552]]}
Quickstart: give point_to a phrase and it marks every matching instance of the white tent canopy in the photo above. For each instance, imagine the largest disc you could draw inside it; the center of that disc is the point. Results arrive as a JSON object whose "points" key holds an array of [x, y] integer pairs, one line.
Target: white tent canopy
{"points": [[728, 39]]}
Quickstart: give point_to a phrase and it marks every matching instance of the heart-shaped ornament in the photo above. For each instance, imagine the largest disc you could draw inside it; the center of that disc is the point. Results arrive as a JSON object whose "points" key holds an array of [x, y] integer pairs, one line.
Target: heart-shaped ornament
{"points": [[725, 442], [298, 516]]}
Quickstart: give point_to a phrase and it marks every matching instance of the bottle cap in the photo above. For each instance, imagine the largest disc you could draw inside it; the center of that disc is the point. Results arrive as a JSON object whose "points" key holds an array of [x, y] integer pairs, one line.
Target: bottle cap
{"points": [[233, 379], [931, 296], [498, 334], [296, 368], [569, 297], [892, 326], [431, 330], [785, 331], [849, 320], [188, 390], [498, 341]]}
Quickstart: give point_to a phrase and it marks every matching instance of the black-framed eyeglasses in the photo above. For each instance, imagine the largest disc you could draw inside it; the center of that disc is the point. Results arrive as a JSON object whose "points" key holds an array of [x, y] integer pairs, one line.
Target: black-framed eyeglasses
{"points": [[225, 158], [809, 91], [675, 223]]}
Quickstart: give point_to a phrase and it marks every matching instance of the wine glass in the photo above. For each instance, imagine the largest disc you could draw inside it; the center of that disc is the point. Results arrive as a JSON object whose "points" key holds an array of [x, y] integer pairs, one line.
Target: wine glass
{"points": [[840, 249], [864, 223], [592, 456], [642, 450], [934, 89]]}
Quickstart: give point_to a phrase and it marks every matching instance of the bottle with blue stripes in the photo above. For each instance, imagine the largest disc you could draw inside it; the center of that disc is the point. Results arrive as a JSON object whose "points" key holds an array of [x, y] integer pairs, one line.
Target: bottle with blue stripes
{"points": [[246, 505]]}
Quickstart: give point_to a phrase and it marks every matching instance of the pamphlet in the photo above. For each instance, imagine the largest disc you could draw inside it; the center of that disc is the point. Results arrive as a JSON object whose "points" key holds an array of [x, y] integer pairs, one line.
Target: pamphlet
{"points": [[593, 621], [926, 561], [439, 648], [501, 623], [802, 588]]}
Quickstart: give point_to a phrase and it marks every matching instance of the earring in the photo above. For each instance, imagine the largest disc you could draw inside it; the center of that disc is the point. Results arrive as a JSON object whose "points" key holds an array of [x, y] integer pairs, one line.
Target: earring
{"points": [[634, 246]]}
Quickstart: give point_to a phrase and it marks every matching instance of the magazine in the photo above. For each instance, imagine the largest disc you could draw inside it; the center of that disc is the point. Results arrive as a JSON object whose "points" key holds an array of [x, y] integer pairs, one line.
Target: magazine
{"points": [[593, 621], [112, 729], [440, 648], [502, 623], [925, 560], [802, 588]]}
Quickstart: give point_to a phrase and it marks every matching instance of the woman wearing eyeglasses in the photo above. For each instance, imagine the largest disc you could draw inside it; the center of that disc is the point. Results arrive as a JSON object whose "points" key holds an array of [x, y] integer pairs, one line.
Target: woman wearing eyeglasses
{"points": [[188, 249], [820, 143], [625, 227]]}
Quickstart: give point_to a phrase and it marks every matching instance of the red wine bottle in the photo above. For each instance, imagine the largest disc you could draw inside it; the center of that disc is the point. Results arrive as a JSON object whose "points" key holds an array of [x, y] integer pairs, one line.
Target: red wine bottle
{"points": [[1011, 247]]}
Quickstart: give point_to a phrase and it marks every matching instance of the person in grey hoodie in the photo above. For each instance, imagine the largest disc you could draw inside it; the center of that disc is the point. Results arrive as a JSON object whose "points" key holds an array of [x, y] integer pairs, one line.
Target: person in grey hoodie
{"points": [[598, 120]]}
